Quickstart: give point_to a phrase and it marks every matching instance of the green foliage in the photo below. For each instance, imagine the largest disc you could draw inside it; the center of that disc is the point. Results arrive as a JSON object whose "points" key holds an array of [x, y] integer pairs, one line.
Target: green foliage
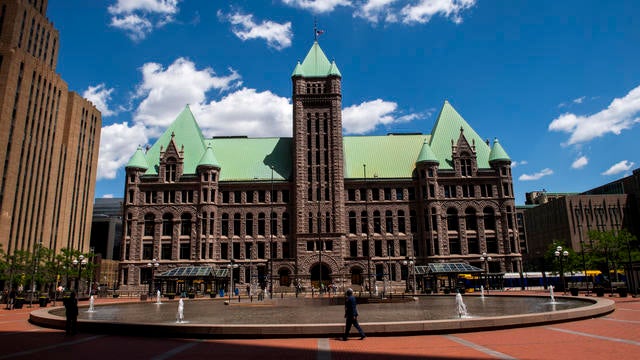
{"points": [[612, 249], [570, 263]]}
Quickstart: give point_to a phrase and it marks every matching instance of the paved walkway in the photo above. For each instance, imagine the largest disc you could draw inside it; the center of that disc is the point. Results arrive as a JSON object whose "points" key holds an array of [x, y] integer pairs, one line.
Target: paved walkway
{"points": [[615, 336]]}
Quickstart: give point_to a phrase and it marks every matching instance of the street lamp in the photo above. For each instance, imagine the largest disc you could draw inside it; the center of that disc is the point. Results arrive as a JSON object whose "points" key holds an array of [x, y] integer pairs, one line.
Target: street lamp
{"points": [[153, 265], [561, 256], [79, 262], [486, 260], [411, 270], [231, 266]]}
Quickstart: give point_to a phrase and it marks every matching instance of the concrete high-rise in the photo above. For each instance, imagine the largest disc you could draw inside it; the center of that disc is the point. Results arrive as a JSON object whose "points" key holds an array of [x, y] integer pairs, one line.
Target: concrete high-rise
{"points": [[49, 138]]}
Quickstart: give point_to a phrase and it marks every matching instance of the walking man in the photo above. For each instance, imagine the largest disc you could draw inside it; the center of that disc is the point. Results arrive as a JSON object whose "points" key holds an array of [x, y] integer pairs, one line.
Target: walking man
{"points": [[351, 315]]}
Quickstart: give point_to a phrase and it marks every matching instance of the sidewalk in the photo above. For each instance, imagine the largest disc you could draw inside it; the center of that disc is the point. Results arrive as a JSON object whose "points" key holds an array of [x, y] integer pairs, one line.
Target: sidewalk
{"points": [[615, 336]]}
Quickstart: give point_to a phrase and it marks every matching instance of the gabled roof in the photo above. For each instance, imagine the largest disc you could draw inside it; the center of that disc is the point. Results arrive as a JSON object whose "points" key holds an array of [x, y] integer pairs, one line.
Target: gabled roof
{"points": [[498, 153], [187, 135], [447, 129], [316, 64], [138, 160]]}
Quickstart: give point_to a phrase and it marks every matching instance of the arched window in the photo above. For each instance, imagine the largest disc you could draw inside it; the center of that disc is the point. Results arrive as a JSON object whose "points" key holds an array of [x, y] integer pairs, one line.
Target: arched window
{"points": [[261, 224], [249, 224], [167, 224], [364, 222], [470, 219], [237, 224], [185, 226], [376, 222], [149, 224], [388, 221], [352, 222], [401, 222]]}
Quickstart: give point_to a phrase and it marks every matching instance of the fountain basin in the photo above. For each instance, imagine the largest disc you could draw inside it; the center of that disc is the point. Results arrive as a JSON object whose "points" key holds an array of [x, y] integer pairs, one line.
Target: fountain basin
{"points": [[317, 318]]}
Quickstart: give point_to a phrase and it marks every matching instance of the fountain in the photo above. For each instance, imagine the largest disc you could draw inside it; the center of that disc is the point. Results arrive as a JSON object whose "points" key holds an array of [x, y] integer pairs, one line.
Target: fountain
{"points": [[482, 292], [461, 307], [158, 297], [553, 299], [91, 302], [180, 317]]}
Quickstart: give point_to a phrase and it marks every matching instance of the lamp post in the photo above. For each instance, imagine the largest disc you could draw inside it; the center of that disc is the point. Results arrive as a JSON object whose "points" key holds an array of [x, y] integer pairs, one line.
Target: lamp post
{"points": [[231, 266], [366, 210], [79, 262], [271, 238], [561, 256], [153, 265], [410, 270], [486, 258]]}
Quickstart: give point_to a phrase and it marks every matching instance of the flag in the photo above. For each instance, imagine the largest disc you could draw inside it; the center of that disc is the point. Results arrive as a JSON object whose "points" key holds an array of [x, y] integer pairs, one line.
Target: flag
{"points": [[319, 32]]}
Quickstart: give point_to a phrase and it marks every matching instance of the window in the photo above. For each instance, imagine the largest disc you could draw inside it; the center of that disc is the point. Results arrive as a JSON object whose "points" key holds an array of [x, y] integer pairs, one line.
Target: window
{"points": [[165, 252], [224, 251], [412, 193], [149, 224], [465, 166], [170, 170], [401, 222], [452, 219], [237, 222], [167, 225], [449, 191], [261, 224], [353, 248], [413, 225], [147, 251], [185, 252], [225, 197], [169, 197], [351, 194], [249, 224], [261, 196], [489, 218], [225, 225], [364, 223], [378, 248], [388, 222], [285, 223], [403, 247], [399, 194], [505, 189], [352, 222], [365, 248], [387, 194], [486, 190], [468, 191], [131, 196], [376, 222], [150, 197], [285, 196], [250, 197], [187, 196], [185, 228], [237, 197], [432, 190], [375, 194]]}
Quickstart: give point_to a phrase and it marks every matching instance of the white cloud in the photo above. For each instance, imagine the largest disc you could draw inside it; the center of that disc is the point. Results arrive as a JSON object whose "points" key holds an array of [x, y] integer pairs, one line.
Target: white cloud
{"points": [[536, 176], [518, 163], [118, 142], [618, 168], [278, 36], [99, 95], [137, 17], [165, 90], [621, 114], [424, 10], [580, 162], [362, 118], [579, 100], [374, 10], [246, 112], [317, 6]]}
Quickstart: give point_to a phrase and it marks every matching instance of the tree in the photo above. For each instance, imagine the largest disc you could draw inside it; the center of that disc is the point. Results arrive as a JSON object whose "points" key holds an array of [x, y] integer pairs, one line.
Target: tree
{"points": [[608, 250]]}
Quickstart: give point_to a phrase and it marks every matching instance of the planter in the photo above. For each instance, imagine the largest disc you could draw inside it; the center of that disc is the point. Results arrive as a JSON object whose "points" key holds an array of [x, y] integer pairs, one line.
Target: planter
{"points": [[191, 295], [212, 295], [170, 296], [574, 291], [599, 291], [623, 292], [43, 301], [18, 303], [115, 296], [143, 297]]}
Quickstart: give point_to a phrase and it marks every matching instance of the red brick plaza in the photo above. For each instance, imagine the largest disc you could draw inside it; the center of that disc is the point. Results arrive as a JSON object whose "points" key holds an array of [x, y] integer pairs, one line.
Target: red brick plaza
{"points": [[615, 336]]}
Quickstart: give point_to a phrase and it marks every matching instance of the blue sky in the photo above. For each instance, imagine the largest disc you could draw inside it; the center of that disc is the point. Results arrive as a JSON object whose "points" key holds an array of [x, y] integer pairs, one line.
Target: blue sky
{"points": [[557, 82]]}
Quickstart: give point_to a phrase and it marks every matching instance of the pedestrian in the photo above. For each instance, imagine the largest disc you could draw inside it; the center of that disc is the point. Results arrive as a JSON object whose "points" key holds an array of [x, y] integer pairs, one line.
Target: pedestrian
{"points": [[71, 308], [12, 299], [351, 315]]}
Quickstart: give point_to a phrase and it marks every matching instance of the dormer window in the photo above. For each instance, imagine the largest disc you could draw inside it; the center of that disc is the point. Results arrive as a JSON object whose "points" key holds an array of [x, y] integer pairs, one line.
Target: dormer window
{"points": [[465, 165], [170, 170]]}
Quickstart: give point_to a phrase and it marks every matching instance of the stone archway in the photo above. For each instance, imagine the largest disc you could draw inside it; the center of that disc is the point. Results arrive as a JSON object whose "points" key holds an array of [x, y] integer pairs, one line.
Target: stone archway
{"points": [[320, 271]]}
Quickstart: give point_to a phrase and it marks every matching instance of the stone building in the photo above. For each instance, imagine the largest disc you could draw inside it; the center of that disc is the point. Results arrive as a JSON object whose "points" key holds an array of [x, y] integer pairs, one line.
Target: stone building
{"points": [[49, 138], [317, 207]]}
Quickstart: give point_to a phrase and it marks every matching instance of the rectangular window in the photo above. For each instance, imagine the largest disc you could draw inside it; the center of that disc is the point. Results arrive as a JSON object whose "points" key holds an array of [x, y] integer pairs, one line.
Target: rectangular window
{"points": [[249, 197], [185, 251], [378, 249], [412, 194], [403, 247], [375, 194], [165, 252], [224, 251], [261, 196], [310, 245], [365, 248], [147, 251], [353, 248], [225, 197], [237, 197], [399, 194], [260, 250], [169, 197], [351, 195], [285, 196], [236, 250], [387, 194]]}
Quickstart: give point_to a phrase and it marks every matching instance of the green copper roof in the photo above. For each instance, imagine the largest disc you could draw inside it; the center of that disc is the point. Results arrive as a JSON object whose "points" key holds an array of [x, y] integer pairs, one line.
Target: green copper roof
{"points": [[426, 154], [244, 159], [209, 159], [316, 64], [498, 153], [138, 160], [392, 156], [447, 128], [187, 134]]}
